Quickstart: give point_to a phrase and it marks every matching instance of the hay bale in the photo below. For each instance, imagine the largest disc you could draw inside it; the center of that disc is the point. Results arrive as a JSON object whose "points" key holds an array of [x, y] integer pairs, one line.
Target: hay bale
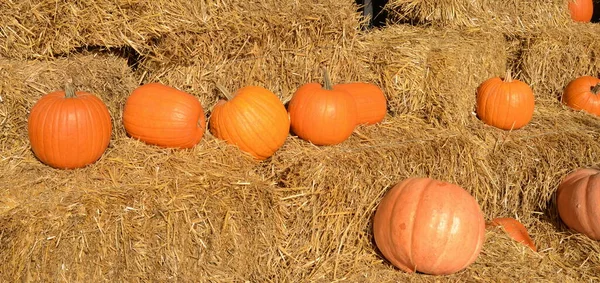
{"points": [[140, 212], [330, 193], [510, 17], [168, 31], [552, 58], [430, 72]]}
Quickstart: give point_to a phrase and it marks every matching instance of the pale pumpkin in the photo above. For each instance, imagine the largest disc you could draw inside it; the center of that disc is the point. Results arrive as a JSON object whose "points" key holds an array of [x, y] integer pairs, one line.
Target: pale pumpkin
{"points": [[69, 129], [254, 119], [164, 116], [578, 201], [429, 226]]}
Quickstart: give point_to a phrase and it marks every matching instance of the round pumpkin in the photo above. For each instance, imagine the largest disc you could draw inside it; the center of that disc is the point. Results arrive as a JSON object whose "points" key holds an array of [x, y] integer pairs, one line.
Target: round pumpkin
{"points": [[514, 229], [322, 115], [578, 202], [254, 119], [583, 93], [505, 103], [69, 129], [581, 10], [429, 226], [370, 101], [164, 116]]}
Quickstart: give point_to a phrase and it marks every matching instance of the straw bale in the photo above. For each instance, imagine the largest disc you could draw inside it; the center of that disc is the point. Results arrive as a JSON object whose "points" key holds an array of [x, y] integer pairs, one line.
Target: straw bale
{"points": [[140, 212], [508, 16], [553, 57], [331, 193], [168, 30]]}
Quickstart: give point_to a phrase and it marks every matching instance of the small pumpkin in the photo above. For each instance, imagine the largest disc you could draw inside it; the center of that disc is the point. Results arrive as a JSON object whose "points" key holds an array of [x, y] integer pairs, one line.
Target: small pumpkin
{"points": [[254, 119], [583, 93], [164, 116], [429, 226], [578, 201], [370, 100], [514, 229], [323, 115], [69, 129], [581, 10], [505, 103]]}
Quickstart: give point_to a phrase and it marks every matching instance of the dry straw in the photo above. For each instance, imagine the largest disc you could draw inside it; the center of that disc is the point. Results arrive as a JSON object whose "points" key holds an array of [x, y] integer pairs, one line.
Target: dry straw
{"points": [[509, 16], [211, 213], [553, 57]]}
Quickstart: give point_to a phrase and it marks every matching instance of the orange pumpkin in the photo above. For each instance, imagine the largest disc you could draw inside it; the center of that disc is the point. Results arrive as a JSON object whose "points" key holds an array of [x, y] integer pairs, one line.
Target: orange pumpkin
{"points": [[254, 119], [583, 94], [578, 202], [514, 229], [506, 104], [69, 129], [322, 115], [429, 226], [164, 116], [581, 10], [371, 103]]}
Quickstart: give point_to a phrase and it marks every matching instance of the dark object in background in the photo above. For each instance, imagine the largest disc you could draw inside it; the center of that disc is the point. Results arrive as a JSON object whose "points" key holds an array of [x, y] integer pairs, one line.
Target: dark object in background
{"points": [[596, 15], [374, 10]]}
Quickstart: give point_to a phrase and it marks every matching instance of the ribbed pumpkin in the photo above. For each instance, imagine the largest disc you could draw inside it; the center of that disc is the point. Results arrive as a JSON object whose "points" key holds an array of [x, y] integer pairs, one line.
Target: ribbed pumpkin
{"points": [[69, 129], [164, 116], [583, 93], [429, 226], [578, 201], [322, 115], [370, 100], [581, 10], [254, 119], [514, 229], [506, 104]]}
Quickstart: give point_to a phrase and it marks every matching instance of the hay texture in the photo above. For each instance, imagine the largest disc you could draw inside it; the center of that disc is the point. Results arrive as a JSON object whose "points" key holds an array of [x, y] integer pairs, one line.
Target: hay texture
{"points": [[427, 72], [167, 31], [508, 16], [430, 72], [140, 212], [553, 57]]}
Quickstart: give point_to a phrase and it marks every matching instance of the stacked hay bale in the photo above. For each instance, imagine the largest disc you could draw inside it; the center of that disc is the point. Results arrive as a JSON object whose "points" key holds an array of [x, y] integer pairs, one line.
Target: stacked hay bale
{"points": [[213, 214], [140, 211], [514, 17]]}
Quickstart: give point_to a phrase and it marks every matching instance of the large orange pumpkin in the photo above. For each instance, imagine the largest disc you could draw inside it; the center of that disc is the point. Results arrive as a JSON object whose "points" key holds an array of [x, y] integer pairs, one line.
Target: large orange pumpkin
{"points": [[69, 129], [583, 93], [581, 10], [371, 103], [514, 229], [164, 116], [429, 226], [506, 104], [578, 201], [322, 115], [254, 119]]}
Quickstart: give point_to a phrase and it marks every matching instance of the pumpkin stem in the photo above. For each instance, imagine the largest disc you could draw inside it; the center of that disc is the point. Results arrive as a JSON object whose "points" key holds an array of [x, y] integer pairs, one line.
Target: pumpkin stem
{"points": [[69, 89], [224, 91], [596, 89], [508, 78], [326, 80]]}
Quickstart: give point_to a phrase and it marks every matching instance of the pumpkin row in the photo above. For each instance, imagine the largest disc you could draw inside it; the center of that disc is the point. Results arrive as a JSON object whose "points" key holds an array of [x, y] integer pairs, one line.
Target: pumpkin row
{"points": [[438, 228], [69, 129]]}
